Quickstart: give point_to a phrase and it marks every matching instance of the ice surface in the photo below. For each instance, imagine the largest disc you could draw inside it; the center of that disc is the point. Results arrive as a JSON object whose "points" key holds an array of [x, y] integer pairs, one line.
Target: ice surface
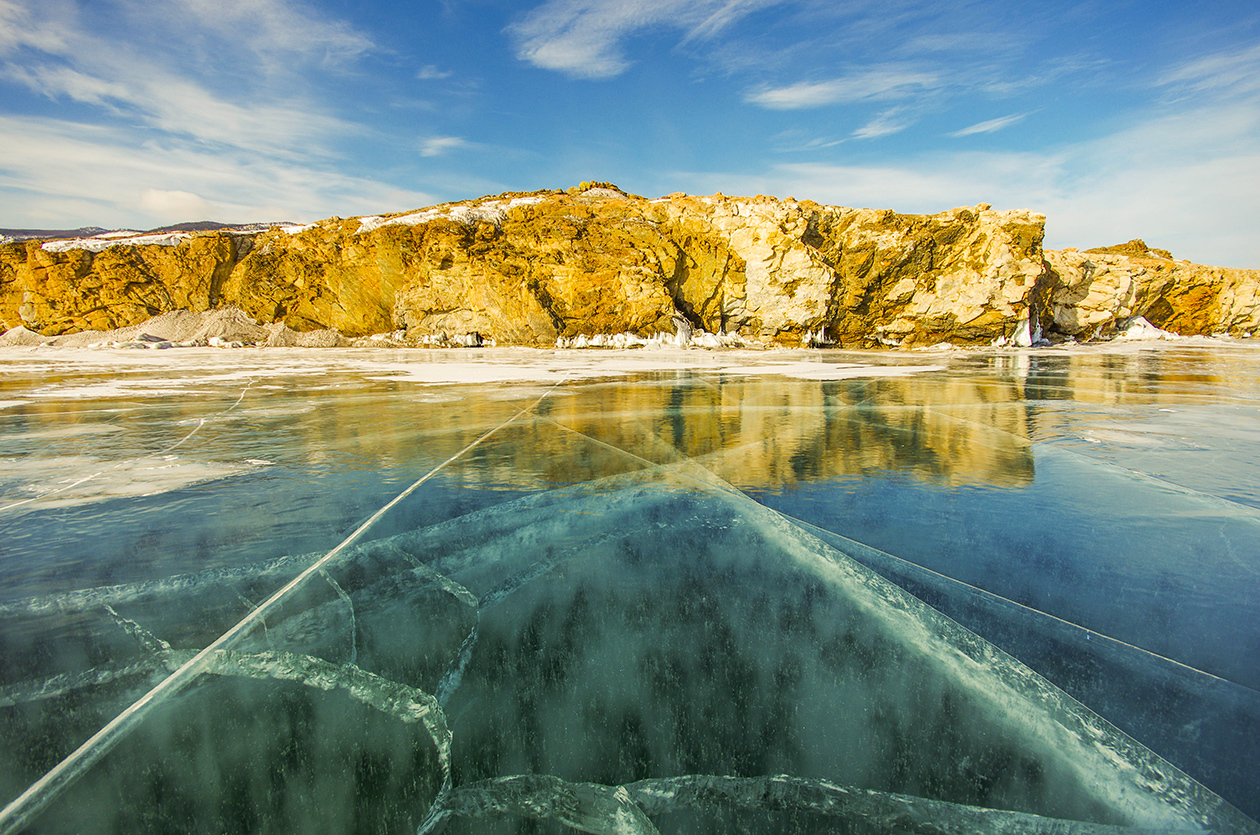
{"points": [[559, 599], [833, 371], [591, 616]]}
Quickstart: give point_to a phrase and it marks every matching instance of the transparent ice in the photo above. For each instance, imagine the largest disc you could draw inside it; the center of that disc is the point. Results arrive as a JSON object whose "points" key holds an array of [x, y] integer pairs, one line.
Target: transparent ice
{"points": [[676, 591]]}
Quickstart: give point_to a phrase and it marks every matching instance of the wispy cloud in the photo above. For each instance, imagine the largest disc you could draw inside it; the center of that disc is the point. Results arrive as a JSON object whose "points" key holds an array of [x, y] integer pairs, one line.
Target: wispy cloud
{"points": [[885, 124], [990, 126], [65, 57], [68, 172], [198, 103], [62, 81], [276, 32], [430, 72], [790, 141], [21, 27], [877, 84], [583, 38], [1231, 72], [965, 42], [438, 145]]}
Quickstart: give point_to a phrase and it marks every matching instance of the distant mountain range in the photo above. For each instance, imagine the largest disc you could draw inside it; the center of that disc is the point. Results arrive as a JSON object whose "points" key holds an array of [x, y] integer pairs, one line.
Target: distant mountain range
{"points": [[94, 231]]}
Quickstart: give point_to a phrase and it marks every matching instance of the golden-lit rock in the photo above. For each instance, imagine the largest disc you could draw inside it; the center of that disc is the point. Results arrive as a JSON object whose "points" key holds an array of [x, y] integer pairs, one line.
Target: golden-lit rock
{"points": [[1091, 294], [75, 290], [527, 269]]}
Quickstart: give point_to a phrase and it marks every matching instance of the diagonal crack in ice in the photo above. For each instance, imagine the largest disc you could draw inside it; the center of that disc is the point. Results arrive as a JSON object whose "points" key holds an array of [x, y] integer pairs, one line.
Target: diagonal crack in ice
{"points": [[345, 598], [147, 640], [624, 809]]}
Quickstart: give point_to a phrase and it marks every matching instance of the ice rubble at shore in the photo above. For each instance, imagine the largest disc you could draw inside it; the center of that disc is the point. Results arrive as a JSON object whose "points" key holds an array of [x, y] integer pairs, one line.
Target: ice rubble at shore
{"points": [[231, 328]]}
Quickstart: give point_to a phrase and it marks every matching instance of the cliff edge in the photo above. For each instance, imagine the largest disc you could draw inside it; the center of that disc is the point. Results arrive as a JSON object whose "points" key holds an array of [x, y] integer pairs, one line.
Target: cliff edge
{"points": [[531, 269]]}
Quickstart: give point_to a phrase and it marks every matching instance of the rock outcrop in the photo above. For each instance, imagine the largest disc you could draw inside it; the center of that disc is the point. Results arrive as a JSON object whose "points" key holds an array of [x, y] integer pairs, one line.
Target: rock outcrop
{"points": [[1094, 294], [531, 269]]}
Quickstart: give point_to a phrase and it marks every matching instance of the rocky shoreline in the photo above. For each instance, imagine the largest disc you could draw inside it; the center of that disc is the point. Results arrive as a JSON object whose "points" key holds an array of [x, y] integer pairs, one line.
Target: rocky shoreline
{"points": [[594, 267]]}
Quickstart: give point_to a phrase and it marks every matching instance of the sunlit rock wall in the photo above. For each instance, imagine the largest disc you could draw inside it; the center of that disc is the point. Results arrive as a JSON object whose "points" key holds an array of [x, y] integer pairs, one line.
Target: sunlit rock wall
{"points": [[1091, 293], [526, 269]]}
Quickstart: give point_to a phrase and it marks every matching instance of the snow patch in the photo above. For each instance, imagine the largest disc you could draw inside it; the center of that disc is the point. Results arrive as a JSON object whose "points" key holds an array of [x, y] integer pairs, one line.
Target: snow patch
{"points": [[101, 243], [493, 211]]}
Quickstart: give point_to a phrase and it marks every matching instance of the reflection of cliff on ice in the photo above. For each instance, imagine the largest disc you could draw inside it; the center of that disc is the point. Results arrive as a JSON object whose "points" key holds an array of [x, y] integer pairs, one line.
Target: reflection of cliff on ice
{"points": [[624, 633]]}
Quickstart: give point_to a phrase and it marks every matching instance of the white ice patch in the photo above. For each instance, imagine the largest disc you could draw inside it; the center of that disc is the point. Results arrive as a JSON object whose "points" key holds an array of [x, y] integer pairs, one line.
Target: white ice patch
{"points": [[472, 372], [74, 431], [70, 481], [9, 404], [119, 388], [271, 412], [1141, 330], [832, 371]]}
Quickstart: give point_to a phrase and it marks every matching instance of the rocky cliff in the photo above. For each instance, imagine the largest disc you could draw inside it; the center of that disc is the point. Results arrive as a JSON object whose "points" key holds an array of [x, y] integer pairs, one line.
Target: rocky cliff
{"points": [[531, 269]]}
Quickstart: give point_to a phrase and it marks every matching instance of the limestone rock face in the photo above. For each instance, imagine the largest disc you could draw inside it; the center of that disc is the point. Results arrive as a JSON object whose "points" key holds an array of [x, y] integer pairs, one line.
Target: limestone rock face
{"points": [[76, 289], [527, 269], [1093, 294], [862, 276]]}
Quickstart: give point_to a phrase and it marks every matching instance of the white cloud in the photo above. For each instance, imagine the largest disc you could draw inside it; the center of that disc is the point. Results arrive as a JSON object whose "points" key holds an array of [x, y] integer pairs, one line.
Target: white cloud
{"points": [[276, 31], [965, 42], [204, 113], [990, 126], [885, 124], [881, 83], [438, 145], [1236, 72], [157, 83], [430, 72], [795, 141], [170, 103], [20, 28], [61, 173], [57, 81], [171, 204], [582, 38]]}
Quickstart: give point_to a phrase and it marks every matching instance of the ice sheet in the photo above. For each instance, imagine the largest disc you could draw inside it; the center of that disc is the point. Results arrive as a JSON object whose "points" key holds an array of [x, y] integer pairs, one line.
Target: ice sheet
{"points": [[601, 606], [650, 637]]}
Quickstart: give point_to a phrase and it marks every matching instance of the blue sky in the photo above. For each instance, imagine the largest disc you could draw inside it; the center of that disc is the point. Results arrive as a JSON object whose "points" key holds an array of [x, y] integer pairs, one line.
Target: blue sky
{"points": [[1115, 119]]}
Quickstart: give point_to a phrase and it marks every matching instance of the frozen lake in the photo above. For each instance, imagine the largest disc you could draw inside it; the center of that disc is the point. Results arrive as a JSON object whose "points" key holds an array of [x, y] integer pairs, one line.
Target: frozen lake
{"points": [[630, 591]]}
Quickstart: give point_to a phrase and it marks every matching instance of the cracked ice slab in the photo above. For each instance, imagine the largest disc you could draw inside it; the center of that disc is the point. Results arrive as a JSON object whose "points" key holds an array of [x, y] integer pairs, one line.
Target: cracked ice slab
{"points": [[612, 614]]}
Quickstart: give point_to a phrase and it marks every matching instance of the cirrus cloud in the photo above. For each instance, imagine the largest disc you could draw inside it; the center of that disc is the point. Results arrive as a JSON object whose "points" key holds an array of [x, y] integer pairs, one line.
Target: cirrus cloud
{"points": [[990, 126], [875, 84], [583, 38]]}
